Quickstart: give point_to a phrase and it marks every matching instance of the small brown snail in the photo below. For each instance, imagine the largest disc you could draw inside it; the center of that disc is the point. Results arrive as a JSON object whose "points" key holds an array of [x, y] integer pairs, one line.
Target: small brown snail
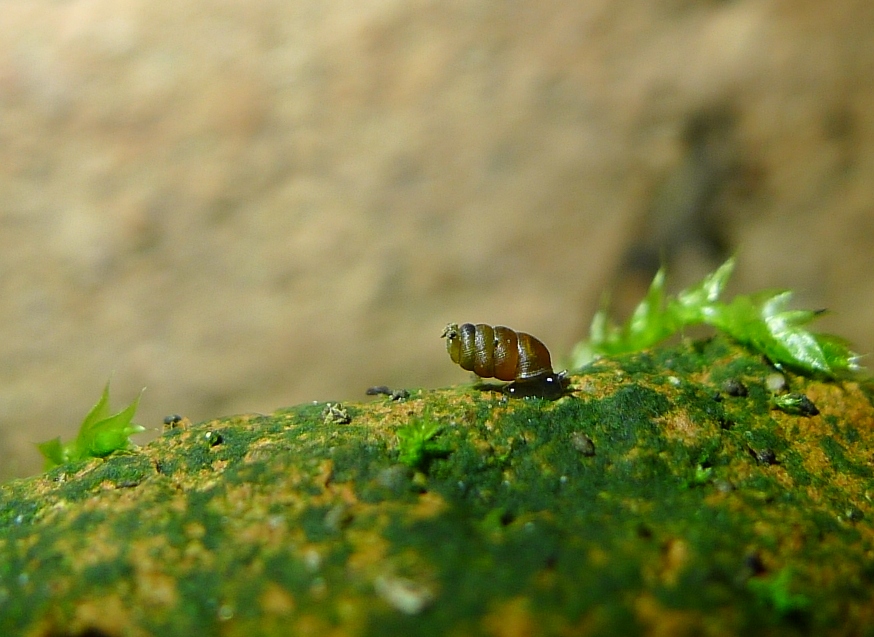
{"points": [[502, 353]]}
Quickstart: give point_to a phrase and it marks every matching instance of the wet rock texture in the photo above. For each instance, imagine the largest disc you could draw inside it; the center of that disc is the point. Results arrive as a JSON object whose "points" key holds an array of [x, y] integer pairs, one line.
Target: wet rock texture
{"points": [[652, 500], [242, 205]]}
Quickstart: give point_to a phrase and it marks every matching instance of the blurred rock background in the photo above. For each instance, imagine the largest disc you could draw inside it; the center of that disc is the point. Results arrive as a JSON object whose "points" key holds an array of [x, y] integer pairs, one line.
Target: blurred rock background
{"points": [[246, 205]]}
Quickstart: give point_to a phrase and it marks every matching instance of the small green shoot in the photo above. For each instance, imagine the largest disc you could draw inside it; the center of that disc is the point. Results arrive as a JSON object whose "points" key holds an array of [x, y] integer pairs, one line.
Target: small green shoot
{"points": [[775, 591], [701, 475], [100, 434], [416, 445], [795, 404], [760, 322]]}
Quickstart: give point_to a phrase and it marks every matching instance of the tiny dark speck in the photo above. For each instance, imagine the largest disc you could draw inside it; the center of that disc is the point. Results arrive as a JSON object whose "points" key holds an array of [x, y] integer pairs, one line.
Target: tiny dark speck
{"points": [[854, 515], [753, 561], [583, 443], [733, 387], [764, 456]]}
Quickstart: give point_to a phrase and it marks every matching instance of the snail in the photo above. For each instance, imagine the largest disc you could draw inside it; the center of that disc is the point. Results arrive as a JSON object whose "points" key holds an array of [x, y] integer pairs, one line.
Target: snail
{"points": [[502, 353]]}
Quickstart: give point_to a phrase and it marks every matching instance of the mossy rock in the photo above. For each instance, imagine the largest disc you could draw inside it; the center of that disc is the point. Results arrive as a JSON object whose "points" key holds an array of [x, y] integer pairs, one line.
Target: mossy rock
{"points": [[666, 495]]}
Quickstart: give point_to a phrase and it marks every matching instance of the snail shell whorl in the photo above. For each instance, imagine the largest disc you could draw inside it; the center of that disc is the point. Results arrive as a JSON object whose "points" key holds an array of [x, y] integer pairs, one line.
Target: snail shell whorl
{"points": [[497, 352], [534, 358]]}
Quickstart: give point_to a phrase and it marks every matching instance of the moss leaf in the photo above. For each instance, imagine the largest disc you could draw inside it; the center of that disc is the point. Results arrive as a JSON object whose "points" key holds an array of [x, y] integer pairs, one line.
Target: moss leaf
{"points": [[99, 435]]}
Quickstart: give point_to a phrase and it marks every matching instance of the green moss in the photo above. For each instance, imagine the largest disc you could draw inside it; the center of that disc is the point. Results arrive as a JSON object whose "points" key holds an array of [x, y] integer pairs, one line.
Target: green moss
{"points": [[98, 576], [100, 434], [119, 472], [776, 591], [306, 413], [635, 505], [760, 322], [416, 444], [793, 462], [838, 458]]}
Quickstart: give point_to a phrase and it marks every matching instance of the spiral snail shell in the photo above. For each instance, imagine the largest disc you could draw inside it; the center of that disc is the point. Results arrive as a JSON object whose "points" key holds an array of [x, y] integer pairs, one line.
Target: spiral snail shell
{"points": [[502, 353]]}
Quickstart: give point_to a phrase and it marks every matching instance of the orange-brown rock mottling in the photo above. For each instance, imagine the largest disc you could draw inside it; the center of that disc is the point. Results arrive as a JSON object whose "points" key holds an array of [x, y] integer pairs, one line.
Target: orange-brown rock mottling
{"points": [[243, 205], [687, 511]]}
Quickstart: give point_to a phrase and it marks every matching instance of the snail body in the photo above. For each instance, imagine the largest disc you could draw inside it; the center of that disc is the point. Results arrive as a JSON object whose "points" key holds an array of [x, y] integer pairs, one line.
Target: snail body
{"points": [[502, 353]]}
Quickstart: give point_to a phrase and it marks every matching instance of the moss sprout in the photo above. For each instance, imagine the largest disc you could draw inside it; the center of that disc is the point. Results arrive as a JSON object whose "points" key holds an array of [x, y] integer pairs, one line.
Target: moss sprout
{"points": [[776, 591], [760, 322], [416, 442], [100, 434]]}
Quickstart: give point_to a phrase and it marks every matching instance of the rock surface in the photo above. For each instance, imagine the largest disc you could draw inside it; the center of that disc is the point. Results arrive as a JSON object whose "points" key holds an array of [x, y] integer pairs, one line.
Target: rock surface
{"points": [[665, 495], [242, 205]]}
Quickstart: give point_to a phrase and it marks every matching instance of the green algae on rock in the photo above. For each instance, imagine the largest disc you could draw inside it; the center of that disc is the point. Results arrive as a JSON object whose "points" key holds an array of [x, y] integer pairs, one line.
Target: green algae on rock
{"points": [[651, 500]]}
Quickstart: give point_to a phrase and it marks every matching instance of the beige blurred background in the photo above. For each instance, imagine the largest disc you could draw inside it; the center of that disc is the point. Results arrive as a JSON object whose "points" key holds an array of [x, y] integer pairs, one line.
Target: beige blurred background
{"points": [[243, 205]]}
